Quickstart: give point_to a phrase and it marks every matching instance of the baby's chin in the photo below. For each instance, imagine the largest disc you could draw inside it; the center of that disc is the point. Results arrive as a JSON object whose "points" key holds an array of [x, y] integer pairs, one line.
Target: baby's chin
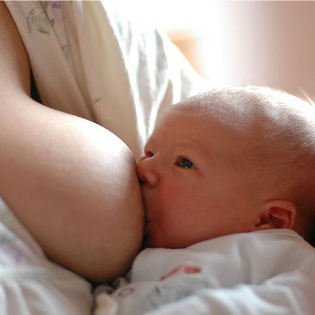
{"points": [[153, 238], [146, 236], [150, 238], [149, 243]]}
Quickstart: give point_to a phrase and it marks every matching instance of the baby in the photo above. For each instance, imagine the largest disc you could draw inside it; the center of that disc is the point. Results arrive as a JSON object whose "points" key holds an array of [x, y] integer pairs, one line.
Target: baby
{"points": [[229, 161], [217, 166]]}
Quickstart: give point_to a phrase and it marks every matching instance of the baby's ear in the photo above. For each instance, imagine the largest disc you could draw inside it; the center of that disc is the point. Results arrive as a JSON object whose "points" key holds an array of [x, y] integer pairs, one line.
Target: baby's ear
{"points": [[276, 214]]}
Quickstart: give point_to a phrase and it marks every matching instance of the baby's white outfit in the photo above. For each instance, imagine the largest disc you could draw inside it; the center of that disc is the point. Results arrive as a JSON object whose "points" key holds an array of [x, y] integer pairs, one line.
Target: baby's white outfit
{"points": [[267, 272]]}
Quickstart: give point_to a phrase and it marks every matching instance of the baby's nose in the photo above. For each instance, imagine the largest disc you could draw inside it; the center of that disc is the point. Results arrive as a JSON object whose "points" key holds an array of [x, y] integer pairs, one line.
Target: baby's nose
{"points": [[147, 171]]}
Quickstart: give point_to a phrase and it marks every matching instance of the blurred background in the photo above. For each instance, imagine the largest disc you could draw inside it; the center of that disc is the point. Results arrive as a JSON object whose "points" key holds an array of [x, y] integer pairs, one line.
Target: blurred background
{"points": [[240, 42]]}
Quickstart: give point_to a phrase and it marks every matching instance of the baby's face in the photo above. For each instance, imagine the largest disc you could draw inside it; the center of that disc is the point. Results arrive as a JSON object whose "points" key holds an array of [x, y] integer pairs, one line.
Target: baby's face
{"points": [[191, 189]]}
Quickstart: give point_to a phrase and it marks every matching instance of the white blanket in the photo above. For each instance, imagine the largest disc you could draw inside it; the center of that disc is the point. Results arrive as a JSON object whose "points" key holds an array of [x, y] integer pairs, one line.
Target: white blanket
{"points": [[90, 60]]}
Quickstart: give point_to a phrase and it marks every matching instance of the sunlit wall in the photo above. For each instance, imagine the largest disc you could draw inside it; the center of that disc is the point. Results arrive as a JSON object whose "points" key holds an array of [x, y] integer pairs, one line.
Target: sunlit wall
{"points": [[248, 42]]}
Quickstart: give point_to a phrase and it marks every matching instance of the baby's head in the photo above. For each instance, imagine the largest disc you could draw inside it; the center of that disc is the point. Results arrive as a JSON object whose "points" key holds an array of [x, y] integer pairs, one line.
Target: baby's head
{"points": [[227, 161]]}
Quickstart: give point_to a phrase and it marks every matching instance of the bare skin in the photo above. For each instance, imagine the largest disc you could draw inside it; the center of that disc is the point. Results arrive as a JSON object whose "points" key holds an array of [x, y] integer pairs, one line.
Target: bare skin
{"points": [[70, 182]]}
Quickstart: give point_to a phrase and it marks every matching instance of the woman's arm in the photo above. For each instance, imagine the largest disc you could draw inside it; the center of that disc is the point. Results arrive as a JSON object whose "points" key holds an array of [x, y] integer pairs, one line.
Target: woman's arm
{"points": [[71, 182]]}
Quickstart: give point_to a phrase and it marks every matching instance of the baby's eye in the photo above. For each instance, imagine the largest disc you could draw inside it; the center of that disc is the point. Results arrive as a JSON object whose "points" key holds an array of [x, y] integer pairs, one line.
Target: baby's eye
{"points": [[185, 163]]}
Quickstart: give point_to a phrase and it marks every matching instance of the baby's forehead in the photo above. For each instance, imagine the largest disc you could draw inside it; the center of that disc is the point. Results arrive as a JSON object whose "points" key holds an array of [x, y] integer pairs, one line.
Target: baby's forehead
{"points": [[196, 122], [209, 115], [188, 116]]}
